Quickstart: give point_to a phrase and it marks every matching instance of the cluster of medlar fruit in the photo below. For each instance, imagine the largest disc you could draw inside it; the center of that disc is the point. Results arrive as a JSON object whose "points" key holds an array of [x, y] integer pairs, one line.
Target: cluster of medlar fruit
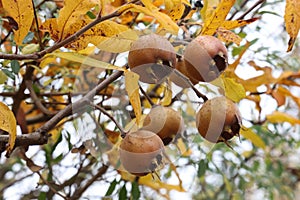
{"points": [[141, 152], [154, 58]]}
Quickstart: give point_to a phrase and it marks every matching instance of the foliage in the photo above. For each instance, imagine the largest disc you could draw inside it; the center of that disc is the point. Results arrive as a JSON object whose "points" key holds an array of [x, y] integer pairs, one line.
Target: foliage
{"points": [[65, 82]]}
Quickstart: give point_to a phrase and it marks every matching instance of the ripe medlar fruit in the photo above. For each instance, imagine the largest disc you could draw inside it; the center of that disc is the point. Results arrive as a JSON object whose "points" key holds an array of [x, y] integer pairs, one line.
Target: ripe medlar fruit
{"points": [[165, 122], [152, 57], [141, 152], [205, 58], [218, 120]]}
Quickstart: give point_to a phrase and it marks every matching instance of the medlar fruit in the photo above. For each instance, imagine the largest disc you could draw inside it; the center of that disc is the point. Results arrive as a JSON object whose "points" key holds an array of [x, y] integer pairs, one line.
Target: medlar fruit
{"points": [[205, 58], [141, 152], [165, 122], [218, 120], [152, 57]]}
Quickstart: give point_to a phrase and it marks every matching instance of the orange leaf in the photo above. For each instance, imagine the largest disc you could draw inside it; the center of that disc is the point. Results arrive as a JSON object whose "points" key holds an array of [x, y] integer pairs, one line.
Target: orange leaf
{"points": [[292, 21], [22, 12], [8, 123], [217, 18]]}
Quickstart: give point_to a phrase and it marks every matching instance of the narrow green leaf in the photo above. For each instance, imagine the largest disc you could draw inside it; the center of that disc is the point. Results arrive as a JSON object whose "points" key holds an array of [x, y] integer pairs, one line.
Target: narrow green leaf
{"points": [[135, 191], [111, 188], [202, 168], [15, 66], [123, 193]]}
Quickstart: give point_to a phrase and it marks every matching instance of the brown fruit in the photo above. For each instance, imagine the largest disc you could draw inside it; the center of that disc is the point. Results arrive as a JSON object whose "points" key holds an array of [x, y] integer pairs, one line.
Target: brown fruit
{"points": [[152, 57], [165, 122], [141, 152], [218, 120], [205, 58]]}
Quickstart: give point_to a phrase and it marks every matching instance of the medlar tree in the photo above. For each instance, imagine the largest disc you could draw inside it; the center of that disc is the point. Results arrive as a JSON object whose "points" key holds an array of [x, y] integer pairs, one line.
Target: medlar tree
{"points": [[135, 99]]}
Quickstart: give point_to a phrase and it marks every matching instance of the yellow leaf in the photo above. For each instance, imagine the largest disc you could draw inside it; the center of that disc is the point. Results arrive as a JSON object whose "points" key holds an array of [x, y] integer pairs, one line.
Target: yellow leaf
{"points": [[229, 25], [71, 13], [22, 12], [209, 6], [76, 57], [149, 4], [156, 184], [234, 90], [228, 36], [292, 20], [183, 148], [279, 117], [249, 134], [115, 37], [165, 21], [217, 17], [8, 123], [132, 88], [167, 99]]}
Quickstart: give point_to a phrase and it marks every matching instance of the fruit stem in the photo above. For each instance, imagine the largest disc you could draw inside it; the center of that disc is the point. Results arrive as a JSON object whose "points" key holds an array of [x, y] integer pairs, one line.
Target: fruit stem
{"points": [[187, 80], [147, 96], [123, 132]]}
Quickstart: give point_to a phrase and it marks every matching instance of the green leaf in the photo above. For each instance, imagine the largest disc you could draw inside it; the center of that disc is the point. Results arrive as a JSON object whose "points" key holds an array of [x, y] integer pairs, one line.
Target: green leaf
{"points": [[111, 188], [123, 193], [8, 73], [202, 168], [135, 191]]}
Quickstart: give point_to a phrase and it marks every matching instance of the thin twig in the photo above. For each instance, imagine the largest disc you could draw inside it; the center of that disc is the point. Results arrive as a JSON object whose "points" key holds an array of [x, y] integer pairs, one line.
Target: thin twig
{"points": [[187, 80], [81, 190], [123, 132], [37, 26], [250, 9], [36, 100], [50, 186], [146, 96]]}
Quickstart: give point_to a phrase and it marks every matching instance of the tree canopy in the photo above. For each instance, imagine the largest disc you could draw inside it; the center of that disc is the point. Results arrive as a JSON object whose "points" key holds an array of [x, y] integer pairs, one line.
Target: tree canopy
{"points": [[73, 92]]}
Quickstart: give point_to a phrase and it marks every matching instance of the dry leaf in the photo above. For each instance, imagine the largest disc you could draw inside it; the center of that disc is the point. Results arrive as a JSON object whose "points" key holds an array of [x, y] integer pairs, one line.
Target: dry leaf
{"points": [[8, 123], [292, 21], [228, 36], [22, 12]]}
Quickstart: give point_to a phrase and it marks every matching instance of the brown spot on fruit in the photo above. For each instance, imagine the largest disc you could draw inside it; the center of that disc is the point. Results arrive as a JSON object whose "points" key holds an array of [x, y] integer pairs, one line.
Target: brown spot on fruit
{"points": [[205, 58], [139, 151], [218, 120], [165, 122], [152, 57]]}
